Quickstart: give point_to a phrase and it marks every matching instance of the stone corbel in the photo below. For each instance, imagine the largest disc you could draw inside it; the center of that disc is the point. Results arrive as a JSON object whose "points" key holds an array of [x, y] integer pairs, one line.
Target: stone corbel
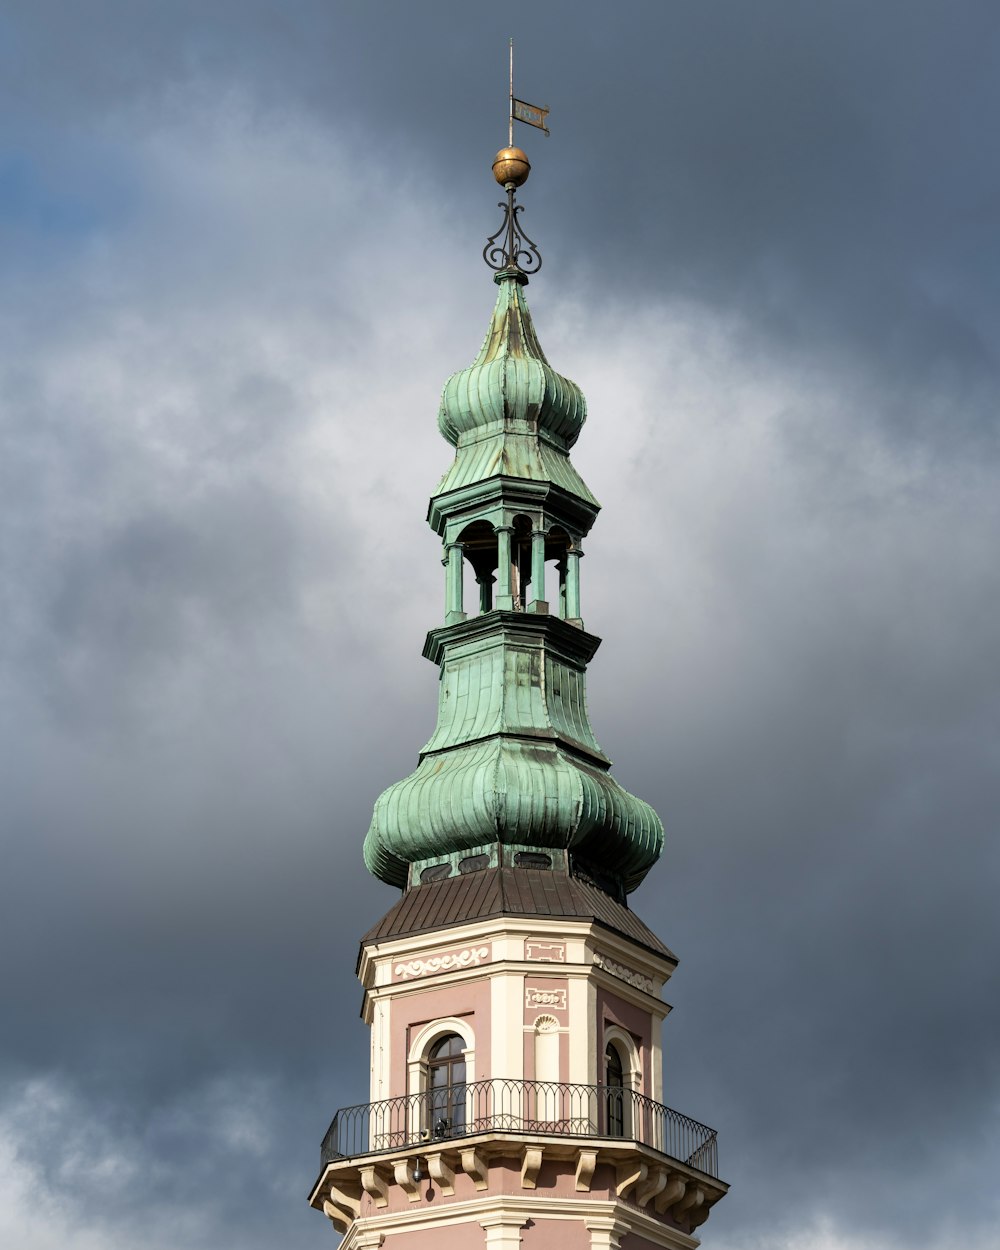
{"points": [[474, 1165], [531, 1162], [340, 1219], [687, 1207], [403, 1174], [586, 1163], [442, 1173], [654, 1184], [629, 1175], [676, 1185], [370, 1239], [374, 1183], [343, 1206]]}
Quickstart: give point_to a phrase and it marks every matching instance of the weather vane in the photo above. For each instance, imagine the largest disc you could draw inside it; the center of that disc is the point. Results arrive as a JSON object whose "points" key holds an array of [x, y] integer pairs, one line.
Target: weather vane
{"points": [[510, 247]]}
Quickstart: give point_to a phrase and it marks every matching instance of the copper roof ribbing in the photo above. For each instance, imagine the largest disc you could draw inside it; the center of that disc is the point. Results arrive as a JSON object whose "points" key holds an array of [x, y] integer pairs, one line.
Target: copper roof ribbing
{"points": [[510, 892]]}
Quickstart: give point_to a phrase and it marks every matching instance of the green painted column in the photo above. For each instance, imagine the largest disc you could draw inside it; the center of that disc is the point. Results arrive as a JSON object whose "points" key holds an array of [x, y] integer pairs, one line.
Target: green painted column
{"points": [[561, 569], [505, 593], [486, 592], [453, 603], [573, 584], [538, 601]]}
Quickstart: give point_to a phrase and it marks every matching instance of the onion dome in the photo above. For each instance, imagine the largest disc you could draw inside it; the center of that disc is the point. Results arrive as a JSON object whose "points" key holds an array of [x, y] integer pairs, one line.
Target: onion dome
{"points": [[510, 413], [513, 760], [510, 385]]}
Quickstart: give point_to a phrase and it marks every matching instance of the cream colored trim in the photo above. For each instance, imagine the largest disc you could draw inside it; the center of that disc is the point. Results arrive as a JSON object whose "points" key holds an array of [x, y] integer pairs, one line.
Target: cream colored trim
{"points": [[580, 1031], [606, 1232], [451, 961], [429, 1034], [507, 1023], [503, 1230], [656, 1060], [595, 1061], [381, 1008], [624, 1043], [623, 972], [575, 933]]}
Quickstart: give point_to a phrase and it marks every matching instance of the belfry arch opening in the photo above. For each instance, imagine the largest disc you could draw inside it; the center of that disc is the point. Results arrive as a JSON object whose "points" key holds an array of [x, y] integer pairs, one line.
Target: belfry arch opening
{"points": [[509, 565], [479, 547]]}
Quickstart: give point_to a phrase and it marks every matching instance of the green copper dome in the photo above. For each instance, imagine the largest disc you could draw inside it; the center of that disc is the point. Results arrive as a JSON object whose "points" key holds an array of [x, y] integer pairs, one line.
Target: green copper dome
{"points": [[510, 385], [513, 761], [510, 413]]}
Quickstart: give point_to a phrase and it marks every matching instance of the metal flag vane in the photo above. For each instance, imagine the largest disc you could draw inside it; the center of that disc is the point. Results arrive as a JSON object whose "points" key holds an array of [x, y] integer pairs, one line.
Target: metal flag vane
{"points": [[510, 247]]}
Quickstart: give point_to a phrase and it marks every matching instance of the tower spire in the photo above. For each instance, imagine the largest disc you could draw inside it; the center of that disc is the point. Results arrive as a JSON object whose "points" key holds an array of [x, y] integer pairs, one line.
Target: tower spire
{"points": [[513, 761], [514, 999]]}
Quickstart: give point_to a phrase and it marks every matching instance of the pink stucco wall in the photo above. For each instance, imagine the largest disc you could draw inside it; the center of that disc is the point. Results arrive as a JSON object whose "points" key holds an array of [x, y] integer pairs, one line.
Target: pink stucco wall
{"points": [[539, 1234], [449, 1237], [555, 1235], [467, 1000], [632, 1241]]}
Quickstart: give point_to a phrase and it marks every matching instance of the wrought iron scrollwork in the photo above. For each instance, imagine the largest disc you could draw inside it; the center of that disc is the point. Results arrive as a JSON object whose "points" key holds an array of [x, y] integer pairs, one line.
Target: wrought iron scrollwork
{"points": [[510, 247]]}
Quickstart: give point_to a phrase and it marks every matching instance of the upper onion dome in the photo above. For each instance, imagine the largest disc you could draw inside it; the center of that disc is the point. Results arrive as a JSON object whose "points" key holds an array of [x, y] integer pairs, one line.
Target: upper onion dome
{"points": [[511, 387]]}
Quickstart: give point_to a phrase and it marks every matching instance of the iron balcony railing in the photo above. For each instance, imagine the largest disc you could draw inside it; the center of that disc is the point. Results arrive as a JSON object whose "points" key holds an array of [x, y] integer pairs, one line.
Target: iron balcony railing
{"points": [[545, 1108]]}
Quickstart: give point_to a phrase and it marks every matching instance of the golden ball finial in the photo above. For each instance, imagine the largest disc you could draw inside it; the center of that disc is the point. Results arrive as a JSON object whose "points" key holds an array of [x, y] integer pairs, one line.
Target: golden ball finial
{"points": [[511, 165]]}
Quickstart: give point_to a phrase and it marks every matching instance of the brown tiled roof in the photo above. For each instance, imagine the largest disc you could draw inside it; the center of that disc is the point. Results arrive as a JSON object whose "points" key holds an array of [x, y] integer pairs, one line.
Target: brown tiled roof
{"points": [[510, 892]]}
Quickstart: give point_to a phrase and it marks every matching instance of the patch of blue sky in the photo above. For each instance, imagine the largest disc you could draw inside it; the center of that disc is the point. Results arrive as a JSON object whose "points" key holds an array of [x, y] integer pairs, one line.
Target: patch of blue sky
{"points": [[54, 192]]}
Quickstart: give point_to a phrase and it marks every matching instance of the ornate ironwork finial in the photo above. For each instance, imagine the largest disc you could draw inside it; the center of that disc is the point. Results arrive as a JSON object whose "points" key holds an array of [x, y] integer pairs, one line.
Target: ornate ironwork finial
{"points": [[510, 247]]}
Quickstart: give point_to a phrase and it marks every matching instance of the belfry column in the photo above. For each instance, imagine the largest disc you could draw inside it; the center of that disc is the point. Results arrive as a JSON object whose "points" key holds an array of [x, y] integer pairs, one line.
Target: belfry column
{"points": [[514, 999]]}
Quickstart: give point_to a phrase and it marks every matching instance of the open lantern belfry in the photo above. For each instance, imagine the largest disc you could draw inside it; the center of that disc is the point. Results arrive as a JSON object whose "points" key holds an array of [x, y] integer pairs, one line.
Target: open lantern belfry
{"points": [[514, 999]]}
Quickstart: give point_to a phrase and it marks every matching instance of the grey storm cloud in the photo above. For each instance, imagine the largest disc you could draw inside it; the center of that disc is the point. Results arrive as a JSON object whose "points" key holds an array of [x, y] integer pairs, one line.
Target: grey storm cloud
{"points": [[241, 256]]}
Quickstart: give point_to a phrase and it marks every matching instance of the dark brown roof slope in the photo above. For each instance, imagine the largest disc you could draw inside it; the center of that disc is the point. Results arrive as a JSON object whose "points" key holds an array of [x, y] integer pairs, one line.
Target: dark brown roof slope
{"points": [[510, 892]]}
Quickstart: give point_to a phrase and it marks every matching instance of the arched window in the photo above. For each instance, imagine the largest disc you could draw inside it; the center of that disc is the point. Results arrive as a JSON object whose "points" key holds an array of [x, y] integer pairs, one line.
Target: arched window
{"points": [[446, 1086], [614, 1080]]}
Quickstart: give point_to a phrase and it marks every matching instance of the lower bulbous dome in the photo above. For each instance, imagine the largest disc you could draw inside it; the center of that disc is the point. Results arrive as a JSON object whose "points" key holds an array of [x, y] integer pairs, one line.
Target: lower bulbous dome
{"points": [[513, 792]]}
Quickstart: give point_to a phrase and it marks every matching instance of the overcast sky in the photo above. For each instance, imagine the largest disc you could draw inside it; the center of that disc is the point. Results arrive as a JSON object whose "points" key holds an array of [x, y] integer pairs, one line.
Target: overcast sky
{"points": [[241, 254]]}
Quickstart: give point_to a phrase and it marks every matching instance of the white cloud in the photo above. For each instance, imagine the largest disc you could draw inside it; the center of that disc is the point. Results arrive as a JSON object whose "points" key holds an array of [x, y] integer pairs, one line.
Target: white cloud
{"points": [[221, 445]]}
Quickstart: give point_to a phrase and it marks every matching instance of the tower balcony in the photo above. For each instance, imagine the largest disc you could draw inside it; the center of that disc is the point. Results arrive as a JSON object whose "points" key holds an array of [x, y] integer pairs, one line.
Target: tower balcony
{"points": [[604, 1139], [537, 1108]]}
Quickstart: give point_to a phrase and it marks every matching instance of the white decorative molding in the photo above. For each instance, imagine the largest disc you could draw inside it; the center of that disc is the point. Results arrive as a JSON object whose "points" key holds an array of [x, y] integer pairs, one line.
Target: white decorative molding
{"points": [[451, 961], [545, 952], [545, 998], [546, 1024], [624, 974]]}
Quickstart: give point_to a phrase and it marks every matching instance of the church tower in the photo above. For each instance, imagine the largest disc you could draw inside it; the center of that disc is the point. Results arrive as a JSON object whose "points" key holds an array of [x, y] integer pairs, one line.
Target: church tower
{"points": [[514, 999]]}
